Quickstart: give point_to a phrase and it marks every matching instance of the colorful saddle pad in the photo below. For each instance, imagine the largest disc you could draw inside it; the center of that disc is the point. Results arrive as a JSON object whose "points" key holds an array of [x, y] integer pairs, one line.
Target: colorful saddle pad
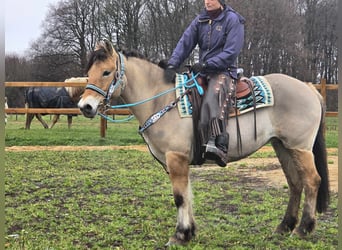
{"points": [[263, 96], [262, 90]]}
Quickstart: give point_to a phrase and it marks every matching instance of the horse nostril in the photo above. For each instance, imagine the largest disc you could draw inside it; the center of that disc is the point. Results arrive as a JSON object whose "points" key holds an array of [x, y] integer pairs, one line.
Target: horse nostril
{"points": [[88, 107]]}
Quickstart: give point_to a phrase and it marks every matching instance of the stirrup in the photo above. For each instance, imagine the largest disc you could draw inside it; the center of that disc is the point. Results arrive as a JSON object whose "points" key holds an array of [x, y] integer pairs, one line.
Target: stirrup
{"points": [[214, 153]]}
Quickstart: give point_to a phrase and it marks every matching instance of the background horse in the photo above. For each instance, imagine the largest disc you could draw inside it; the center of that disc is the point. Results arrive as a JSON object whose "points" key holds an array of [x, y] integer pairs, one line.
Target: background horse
{"points": [[293, 125], [53, 97]]}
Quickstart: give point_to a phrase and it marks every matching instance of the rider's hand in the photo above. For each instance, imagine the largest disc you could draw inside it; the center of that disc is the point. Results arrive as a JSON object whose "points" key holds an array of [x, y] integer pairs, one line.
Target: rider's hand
{"points": [[198, 68], [170, 74]]}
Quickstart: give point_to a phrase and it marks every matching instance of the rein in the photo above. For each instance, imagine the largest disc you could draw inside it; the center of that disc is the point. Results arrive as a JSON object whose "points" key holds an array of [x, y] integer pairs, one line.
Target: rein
{"points": [[119, 82], [156, 116]]}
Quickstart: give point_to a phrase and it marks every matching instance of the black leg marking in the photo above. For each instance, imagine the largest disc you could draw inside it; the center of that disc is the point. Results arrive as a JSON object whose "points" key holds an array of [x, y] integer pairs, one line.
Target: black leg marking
{"points": [[178, 200]]}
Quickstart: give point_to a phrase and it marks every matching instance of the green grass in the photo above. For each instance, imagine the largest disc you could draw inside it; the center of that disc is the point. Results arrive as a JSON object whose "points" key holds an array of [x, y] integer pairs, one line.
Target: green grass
{"points": [[83, 132], [123, 200], [331, 134]]}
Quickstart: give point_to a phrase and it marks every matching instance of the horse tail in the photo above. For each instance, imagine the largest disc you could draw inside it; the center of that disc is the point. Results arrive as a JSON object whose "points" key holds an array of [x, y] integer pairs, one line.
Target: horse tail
{"points": [[320, 156]]}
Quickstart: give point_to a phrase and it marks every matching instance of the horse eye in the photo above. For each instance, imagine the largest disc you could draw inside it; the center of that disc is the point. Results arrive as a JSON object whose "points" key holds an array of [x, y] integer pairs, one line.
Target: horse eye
{"points": [[106, 73]]}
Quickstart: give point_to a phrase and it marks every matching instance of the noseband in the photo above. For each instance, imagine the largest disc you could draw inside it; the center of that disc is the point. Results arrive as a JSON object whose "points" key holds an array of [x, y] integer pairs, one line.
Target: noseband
{"points": [[115, 84]]}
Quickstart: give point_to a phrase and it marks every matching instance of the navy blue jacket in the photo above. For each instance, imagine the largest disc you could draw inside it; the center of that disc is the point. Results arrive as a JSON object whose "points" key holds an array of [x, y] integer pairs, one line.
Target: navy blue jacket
{"points": [[220, 41]]}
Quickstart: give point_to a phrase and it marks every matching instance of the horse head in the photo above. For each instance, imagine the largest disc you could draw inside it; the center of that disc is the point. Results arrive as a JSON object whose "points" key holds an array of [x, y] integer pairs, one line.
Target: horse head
{"points": [[106, 78]]}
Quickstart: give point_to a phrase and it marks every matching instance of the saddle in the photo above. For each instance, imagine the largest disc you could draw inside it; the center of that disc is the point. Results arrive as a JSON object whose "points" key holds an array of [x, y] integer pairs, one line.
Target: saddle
{"points": [[244, 87], [241, 89]]}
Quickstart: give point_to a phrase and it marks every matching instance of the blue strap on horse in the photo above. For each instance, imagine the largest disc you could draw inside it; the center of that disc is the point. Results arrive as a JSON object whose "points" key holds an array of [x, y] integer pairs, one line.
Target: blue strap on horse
{"points": [[186, 80], [130, 117], [118, 80], [156, 116]]}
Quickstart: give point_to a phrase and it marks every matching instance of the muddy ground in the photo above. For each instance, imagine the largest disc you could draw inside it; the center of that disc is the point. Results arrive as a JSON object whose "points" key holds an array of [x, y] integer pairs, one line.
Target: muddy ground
{"points": [[271, 173]]}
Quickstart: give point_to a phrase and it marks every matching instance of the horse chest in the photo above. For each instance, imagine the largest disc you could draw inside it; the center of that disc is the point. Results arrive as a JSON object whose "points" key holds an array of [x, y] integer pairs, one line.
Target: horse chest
{"points": [[154, 150]]}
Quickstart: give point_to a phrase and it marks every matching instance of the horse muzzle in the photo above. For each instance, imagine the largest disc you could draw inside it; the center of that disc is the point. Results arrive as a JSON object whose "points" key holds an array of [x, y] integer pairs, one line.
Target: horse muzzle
{"points": [[88, 107]]}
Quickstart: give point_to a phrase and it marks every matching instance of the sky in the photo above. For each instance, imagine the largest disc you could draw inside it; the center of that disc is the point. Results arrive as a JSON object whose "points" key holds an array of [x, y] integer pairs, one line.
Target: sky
{"points": [[23, 20]]}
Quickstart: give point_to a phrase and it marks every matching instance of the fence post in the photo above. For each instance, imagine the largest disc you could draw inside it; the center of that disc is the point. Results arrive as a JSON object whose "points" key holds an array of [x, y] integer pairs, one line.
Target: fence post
{"points": [[103, 125], [323, 89]]}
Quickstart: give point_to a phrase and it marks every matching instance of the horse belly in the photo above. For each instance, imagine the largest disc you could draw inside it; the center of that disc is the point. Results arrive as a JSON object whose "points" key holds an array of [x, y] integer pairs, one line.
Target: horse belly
{"points": [[250, 142]]}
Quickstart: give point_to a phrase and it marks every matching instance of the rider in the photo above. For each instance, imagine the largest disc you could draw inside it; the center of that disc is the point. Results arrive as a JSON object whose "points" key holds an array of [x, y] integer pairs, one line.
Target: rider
{"points": [[219, 32]]}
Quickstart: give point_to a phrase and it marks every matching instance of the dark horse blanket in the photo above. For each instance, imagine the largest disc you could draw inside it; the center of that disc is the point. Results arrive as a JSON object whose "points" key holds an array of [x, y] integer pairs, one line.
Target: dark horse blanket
{"points": [[48, 97]]}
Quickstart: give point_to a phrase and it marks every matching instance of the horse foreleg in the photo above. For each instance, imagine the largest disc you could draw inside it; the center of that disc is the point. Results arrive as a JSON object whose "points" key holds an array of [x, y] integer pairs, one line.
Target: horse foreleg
{"points": [[295, 187], [178, 168], [39, 117], [311, 180], [54, 120], [69, 121], [29, 118]]}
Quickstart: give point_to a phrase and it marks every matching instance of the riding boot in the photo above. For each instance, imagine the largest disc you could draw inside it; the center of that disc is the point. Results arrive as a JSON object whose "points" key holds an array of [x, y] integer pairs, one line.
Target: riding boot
{"points": [[216, 149], [213, 120], [222, 141]]}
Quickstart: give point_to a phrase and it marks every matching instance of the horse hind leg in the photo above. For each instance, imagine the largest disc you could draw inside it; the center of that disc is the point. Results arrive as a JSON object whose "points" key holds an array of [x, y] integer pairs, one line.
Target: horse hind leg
{"points": [[305, 162], [178, 168], [29, 118], [295, 187], [54, 120], [301, 173], [39, 117]]}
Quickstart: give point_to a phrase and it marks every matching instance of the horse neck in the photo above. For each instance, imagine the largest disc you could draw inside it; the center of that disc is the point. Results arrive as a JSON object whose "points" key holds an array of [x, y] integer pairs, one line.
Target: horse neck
{"points": [[75, 93], [145, 80]]}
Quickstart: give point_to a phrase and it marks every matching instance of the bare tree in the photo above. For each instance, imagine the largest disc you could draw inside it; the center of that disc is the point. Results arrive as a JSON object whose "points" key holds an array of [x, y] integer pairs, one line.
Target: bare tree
{"points": [[164, 23], [18, 68], [121, 22], [295, 37], [71, 28]]}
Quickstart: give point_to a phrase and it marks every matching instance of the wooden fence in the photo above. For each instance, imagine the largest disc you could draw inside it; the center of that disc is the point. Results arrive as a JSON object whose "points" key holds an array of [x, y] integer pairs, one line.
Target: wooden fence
{"points": [[72, 111], [322, 87]]}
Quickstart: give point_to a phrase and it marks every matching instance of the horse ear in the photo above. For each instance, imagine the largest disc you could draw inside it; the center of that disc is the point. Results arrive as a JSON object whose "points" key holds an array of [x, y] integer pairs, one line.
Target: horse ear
{"points": [[99, 45], [106, 44]]}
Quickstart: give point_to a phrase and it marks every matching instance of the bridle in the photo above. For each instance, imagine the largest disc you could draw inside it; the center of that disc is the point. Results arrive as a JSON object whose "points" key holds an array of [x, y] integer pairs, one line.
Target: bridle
{"points": [[117, 82]]}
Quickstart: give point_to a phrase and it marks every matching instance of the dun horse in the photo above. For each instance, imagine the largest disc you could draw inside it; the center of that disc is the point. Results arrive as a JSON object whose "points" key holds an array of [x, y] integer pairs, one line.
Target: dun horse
{"points": [[52, 97], [293, 125]]}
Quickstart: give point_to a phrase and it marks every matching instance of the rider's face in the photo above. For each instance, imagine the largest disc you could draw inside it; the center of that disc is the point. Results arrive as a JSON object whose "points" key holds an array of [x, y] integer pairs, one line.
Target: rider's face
{"points": [[212, 4]]}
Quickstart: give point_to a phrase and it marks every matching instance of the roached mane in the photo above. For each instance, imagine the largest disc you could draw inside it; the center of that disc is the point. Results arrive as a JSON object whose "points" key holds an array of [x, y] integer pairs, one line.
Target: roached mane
{"points": [[101, 55]]}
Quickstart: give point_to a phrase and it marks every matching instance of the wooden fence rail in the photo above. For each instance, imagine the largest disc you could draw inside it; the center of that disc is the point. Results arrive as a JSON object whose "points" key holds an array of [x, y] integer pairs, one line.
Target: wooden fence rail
{"points": [[45, 84], [64, 111], [322, 87]]}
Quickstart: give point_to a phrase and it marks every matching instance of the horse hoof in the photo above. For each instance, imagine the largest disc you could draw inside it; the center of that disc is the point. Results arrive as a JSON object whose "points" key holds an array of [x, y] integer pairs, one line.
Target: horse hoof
{"points": [[282, 229], [286, 226], [299, 233], [169, 243], [173, 241]]}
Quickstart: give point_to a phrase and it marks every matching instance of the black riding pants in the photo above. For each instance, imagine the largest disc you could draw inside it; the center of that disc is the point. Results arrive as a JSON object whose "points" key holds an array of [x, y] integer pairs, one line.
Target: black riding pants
{"points": [[215, 106]]}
